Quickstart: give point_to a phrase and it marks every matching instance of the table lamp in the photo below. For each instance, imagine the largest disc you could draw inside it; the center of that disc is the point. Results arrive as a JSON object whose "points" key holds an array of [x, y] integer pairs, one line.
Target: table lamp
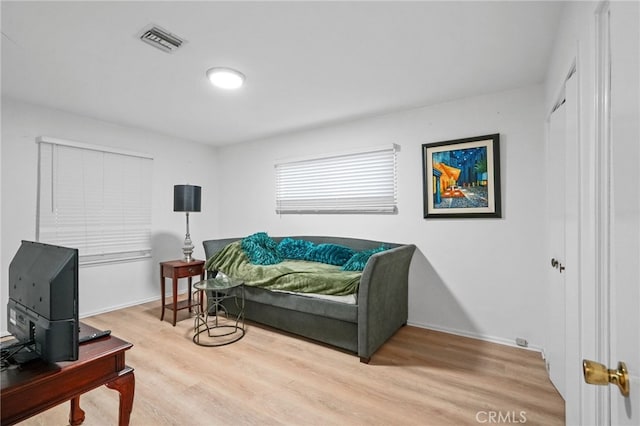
{"points": [[186, 198]]}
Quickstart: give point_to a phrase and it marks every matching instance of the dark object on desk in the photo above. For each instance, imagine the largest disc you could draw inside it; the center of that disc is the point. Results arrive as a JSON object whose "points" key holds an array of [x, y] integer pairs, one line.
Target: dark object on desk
{"points": [[39, 385], [14, 353], [43, 300], [94, 336]]}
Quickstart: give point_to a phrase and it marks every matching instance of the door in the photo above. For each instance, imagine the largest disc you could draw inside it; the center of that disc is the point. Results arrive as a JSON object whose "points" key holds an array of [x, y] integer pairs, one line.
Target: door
{"points": [[562, 346], [624, 291], [618, 141], [555, 344]]}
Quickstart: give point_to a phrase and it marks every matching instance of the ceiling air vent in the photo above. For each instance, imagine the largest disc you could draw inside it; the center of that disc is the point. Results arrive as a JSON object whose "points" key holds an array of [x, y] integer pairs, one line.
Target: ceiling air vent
{"points": [[163, 40]]}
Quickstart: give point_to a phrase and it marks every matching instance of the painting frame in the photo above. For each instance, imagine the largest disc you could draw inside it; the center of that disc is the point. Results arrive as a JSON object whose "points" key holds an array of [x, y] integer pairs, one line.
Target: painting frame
{"points": [[461, 178]]}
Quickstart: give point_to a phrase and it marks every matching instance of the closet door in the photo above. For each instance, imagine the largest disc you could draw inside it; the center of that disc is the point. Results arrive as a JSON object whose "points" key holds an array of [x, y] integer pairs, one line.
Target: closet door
{"points": [[554, 346], [563, 153]]}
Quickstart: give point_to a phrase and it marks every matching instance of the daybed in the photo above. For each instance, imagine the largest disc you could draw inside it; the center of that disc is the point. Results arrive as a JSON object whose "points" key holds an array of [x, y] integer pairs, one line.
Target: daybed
{"points": [[380, 307]]}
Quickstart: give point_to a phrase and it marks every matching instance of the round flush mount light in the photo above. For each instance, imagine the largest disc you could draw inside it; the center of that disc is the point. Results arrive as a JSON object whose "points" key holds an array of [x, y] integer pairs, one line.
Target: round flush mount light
{"points": [[225, 78]]}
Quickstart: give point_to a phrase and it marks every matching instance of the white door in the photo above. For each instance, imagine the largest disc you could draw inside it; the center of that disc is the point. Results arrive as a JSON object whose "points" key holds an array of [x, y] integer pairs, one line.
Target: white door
{"points": [[572, 258], [618, 299], [563, 346], [555, 344], [624, 312]]}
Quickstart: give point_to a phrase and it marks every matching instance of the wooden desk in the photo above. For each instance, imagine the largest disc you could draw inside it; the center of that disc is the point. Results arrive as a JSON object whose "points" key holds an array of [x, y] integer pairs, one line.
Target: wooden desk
{"points": [[38, 386], [176, 269]]}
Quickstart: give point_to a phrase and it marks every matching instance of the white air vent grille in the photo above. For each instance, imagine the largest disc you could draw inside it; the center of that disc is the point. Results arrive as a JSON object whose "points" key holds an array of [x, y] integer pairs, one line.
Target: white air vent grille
{"points": [[163, 40]]}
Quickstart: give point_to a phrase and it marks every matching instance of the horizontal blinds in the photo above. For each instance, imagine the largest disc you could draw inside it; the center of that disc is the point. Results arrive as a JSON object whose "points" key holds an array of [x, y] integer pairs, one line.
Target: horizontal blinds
{"points": [[94, 200], [357, 182]]}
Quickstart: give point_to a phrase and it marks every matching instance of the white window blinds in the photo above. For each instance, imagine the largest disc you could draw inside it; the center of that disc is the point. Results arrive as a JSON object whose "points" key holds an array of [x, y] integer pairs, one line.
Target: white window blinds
{"points": [[94, 199], [355, 182]]}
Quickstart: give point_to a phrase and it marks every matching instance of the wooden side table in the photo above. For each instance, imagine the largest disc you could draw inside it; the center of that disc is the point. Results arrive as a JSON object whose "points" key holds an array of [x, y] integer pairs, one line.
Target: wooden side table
{"points": [[176, 269]]}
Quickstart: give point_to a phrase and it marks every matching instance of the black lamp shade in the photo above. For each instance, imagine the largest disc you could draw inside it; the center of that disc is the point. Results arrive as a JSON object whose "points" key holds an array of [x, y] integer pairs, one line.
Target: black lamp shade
{"points": [[186, 198]]}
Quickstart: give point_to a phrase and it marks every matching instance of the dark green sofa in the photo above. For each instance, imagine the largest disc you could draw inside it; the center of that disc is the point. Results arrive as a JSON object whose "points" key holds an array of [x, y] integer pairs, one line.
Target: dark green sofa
{"points": [[381, 308]]}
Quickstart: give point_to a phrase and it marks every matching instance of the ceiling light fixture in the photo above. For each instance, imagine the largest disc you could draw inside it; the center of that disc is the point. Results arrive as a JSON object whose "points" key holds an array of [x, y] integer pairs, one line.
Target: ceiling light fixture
{"points": [[225, 78]]}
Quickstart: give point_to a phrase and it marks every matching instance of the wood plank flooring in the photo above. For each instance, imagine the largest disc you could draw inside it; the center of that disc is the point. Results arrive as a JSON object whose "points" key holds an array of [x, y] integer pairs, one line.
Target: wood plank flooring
{"points": [[419, 377]]}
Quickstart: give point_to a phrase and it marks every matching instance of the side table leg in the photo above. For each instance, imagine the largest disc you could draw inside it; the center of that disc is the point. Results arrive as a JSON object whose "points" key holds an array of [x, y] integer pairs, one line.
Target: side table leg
{"points": [[189, 293], [125, 385], [175, 299], [76, 414], [162, 290]]}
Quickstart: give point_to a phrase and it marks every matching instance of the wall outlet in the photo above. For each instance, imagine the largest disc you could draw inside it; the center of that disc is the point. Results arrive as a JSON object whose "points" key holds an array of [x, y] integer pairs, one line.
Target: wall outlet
{"points": [[522, 342]]}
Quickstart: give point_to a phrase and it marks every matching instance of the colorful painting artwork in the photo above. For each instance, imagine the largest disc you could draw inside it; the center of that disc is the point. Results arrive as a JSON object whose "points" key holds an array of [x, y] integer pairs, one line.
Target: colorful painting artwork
{"points": [[461, 178]]}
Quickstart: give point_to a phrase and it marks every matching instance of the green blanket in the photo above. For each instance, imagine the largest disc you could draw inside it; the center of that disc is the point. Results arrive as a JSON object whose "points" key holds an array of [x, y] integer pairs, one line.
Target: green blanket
{"points": [[290, 275]]}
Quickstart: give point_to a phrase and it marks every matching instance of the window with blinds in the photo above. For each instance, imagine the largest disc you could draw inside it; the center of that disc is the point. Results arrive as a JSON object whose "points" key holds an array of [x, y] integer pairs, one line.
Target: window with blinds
{"points": [[95, 199], [355, 182]]}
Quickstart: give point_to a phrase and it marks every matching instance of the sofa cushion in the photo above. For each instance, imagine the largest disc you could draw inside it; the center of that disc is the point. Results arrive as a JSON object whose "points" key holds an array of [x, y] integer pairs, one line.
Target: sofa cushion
{"points": [[358, 261], [289, 248], [333, 254], [261, 249]]}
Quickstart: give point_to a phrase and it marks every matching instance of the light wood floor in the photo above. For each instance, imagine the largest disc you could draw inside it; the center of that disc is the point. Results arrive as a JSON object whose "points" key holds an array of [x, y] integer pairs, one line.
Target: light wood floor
{"points": [[419, 377]]}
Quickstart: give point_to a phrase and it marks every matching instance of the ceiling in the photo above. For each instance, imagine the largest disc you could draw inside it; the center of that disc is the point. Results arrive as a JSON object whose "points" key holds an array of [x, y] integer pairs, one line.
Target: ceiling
{"points": [[308, 64]]}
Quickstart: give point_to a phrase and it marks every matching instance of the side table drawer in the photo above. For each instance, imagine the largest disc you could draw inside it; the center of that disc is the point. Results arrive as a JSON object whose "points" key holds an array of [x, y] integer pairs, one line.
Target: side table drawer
{"points": [[189, 271], [184, 271]]}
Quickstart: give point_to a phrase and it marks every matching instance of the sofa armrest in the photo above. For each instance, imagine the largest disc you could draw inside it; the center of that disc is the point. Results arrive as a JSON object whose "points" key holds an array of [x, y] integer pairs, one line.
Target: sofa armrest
{"points": [[211, 247], [383, 298]]}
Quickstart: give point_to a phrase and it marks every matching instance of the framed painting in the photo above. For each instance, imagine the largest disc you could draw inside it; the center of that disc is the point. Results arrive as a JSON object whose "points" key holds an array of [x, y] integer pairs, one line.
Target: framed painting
{"points": [[461, 178]]}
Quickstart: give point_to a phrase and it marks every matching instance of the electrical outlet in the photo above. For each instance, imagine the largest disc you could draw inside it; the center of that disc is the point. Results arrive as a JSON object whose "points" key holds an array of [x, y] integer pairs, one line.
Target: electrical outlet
{"points": [[522, 342]]}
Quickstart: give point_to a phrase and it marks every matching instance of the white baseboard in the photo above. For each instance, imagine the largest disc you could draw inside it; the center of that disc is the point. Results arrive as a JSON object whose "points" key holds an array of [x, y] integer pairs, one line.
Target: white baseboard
{"points": [[115, 308], [478, 336]]}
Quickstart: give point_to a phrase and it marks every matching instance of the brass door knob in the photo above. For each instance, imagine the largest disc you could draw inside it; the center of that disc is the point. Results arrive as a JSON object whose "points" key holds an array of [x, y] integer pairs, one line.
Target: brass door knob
{"points": [[598, 374]]}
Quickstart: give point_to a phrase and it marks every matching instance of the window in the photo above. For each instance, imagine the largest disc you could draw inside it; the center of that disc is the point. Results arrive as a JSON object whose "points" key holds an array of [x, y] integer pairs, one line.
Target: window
{"points": [[355, 182], [95, 199]]}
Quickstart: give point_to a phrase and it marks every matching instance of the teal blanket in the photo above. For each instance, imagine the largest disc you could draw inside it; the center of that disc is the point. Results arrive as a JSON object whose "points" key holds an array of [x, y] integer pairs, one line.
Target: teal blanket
{"points": [[290, 275]]}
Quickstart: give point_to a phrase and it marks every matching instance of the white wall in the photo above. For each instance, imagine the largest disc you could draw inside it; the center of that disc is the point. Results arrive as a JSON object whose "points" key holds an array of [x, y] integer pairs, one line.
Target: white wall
{"points": [[176, 161], [477, 277]]}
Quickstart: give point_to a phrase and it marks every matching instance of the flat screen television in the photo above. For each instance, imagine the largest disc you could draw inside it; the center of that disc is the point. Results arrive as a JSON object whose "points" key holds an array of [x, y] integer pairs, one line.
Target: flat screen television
{"points": [[42, 311]]}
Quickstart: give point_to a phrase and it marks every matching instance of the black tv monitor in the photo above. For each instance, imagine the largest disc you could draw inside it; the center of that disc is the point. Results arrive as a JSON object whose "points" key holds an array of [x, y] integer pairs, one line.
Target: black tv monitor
{"points": [[42, 311]]}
